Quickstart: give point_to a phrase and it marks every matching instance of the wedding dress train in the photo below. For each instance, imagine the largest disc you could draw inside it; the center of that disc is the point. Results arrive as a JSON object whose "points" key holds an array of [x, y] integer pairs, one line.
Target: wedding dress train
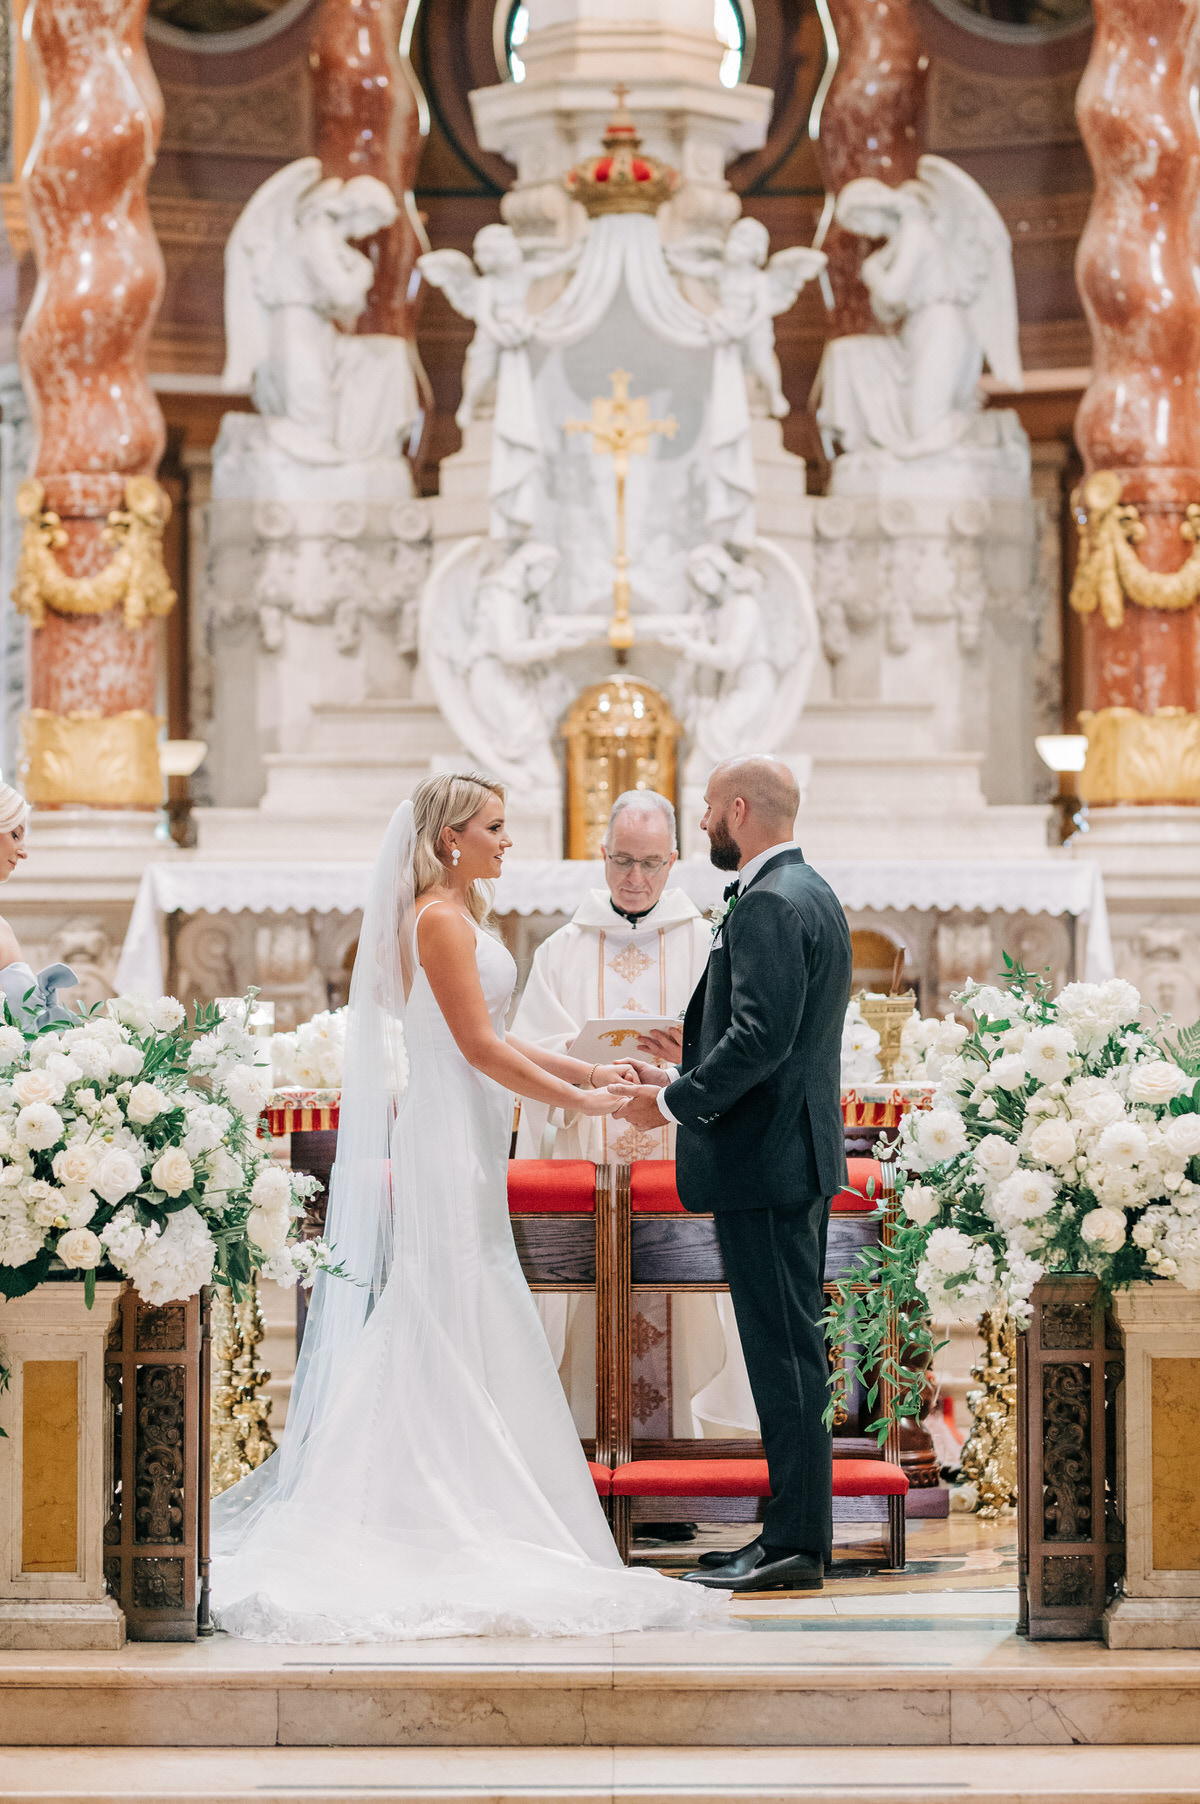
{"points": [[442, 1489]]}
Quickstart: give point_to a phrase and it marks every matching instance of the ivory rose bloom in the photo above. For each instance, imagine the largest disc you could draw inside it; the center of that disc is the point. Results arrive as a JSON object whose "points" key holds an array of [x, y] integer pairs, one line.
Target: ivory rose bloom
{"points": [[1105, 1228], [995, 1156], [75, 1164], [1052, 1142], [80, 1249], [1158, 1082], [172, 1171], [146, 1104], [920, 1203], [125, 1061], [1182, 1135], [37, 1086], [1010, 1072], [116, 1175]]}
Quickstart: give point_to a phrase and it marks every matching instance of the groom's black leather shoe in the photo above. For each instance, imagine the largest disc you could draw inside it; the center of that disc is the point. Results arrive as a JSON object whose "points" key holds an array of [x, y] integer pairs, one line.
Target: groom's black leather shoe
{"points": [[724, 1557], [759, 1572]]}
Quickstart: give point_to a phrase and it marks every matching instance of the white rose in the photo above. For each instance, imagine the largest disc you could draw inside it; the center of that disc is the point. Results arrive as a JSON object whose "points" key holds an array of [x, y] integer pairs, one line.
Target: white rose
{"points": [[268, 1228], [920, 1203], [125, 1061], [116, 1175], [37, 1086], [88, 1103], [64, 1067], [75, 1163], [1048, 1052], [247, 1088], [172, 1171], [1026, 1196], [271, 1189], [1009, 1072], [1182, 1135], [80, 1249], [1157, 1082], [988, 1001], [940, 1135], [1122, 1143], [39, 1126], [1052, 1142], [81, 1206], [146, 1104], [1104, 1228], [166, 1015], [1095, 1101], [12, 1046], [996, 1156]]}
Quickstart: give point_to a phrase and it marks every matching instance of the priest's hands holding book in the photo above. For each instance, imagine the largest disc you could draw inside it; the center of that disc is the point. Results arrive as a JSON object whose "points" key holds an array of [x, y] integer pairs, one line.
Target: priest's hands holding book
{"points": [[662, 1043]]}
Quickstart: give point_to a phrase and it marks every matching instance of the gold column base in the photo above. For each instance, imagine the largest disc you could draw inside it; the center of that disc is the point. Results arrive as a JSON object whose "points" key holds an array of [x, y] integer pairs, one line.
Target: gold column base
{"points": [[91, 760], [989, 1455], [240, 1437], [1141, 758]]}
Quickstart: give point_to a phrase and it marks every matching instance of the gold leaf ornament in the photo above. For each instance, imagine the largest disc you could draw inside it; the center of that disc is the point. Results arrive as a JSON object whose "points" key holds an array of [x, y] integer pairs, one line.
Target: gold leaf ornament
{"points": [[1110, 572], [134, 579]]}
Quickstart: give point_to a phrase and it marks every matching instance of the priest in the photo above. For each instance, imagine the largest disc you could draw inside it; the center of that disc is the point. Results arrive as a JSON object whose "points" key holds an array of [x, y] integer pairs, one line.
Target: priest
{"points": [[633, 948]]}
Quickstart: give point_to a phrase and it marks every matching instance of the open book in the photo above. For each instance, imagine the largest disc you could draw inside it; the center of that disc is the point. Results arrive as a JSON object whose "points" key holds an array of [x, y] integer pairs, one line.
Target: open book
{"points": [[600, 1042]]}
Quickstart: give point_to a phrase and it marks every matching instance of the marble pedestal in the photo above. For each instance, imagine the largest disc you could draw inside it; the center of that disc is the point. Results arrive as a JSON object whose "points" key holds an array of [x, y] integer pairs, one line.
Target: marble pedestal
{"points": [[55, 1476], [1158, 1465]]}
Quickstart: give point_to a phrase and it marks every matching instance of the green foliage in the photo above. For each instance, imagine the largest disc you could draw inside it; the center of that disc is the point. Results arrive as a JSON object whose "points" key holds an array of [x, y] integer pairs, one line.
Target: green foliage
{"points": [[859, 1332], [1185, 1050]]}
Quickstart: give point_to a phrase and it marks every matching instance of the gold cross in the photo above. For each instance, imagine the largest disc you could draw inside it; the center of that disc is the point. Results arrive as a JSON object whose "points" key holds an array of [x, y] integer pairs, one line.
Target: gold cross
{"points": [[621, 428]]}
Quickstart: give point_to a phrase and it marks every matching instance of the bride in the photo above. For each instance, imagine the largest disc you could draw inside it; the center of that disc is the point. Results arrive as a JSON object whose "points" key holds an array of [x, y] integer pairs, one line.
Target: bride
{"points": [[430, 1480]]}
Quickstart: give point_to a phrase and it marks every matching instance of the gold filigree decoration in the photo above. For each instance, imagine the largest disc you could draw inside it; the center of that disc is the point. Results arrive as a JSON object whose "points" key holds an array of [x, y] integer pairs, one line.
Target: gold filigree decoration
{"points": [[134, 578], [1109, 571], [1141, 758], [989, 1455], [630, 963]]}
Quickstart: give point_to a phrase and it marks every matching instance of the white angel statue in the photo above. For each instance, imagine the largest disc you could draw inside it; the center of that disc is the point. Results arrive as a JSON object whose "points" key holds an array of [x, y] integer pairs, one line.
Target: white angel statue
{"points": [[750, 291], [493, 291], [292, 283], [943, 279]]}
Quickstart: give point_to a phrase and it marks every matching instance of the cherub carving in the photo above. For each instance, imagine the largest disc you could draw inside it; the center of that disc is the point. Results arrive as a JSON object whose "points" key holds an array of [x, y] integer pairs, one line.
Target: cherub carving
{"points": [[750, 291]]}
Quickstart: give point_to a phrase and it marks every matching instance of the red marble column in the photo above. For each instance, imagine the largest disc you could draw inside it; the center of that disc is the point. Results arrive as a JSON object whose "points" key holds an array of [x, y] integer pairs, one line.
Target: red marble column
{"points": [[83, 352], [1140, 415], [870, 124], [369, 122]]}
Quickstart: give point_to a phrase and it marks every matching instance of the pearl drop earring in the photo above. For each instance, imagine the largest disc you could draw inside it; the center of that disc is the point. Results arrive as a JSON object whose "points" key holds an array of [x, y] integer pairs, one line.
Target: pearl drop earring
{"points": [[455, 855]]}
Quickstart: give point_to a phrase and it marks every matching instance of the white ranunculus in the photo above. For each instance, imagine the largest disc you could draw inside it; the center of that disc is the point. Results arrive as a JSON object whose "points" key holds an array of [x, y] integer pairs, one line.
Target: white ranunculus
{"points": [[166, 1015], [172, 1171], [12, 1046], [116, 1175], [271, 1189], [1025, 1196], [1104, 1228], [125, 1060], [75, 1163], [1052, 1142], [1182, 1135], [1048, 1052], [1009, 1072], [80, 1249], [39, 1126], [995, 1156], [940, 1135], [1122, 1143], [37, 1086], [146, 1103], [920, 1203], [247, 1088], [268, 1228], [1157, 1082]]}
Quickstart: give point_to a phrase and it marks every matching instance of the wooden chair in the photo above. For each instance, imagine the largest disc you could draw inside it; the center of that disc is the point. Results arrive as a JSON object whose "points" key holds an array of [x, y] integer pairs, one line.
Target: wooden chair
{"points": [[652, 1245]]}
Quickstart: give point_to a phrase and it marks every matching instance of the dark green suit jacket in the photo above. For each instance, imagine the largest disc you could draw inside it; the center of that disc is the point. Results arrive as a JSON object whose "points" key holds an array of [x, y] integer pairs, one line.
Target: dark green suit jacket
{"points": [[758, 1098]]}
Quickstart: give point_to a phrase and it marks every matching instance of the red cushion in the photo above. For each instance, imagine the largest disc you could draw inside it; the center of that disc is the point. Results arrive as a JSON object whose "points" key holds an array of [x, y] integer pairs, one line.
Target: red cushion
{"points": [[861, 1196], [652, 1188], [601, 1477], [747, 1478], [551, 1187]]}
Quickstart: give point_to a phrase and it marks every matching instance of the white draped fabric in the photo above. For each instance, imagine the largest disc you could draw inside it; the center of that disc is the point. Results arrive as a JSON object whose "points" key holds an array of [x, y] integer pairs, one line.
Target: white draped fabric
{"points": [[1054, 885]]}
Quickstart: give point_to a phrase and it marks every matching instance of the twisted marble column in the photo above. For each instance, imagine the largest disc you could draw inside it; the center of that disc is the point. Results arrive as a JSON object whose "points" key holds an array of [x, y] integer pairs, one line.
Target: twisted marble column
{"points": [[368, 121], [91, 735], [870, 124], [1138, 425]]}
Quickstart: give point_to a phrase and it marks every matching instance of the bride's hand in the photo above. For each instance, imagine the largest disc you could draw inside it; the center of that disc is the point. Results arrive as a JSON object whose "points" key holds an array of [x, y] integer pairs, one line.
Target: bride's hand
{"points": [[598, 1102], [623, 1072]]}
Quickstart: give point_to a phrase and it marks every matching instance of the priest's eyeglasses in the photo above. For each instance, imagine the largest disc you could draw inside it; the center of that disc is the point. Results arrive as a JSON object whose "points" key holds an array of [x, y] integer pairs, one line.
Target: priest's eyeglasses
{"points": [[622, 862]]}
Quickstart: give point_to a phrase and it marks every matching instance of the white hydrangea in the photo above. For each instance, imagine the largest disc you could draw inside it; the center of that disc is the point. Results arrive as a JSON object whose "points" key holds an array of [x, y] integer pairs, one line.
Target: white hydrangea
{"points": [[1094, 1012], [176, 1263], [246, 1089]]}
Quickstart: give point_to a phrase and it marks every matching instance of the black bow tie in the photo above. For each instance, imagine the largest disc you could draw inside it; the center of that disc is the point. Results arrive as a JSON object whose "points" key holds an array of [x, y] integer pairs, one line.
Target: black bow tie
{"points": [[731, 889]]}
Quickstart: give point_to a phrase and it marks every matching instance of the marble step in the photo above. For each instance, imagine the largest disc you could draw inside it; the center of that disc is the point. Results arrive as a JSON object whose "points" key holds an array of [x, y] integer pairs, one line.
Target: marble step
{"points": [[606, 1775], [765, 1682]]}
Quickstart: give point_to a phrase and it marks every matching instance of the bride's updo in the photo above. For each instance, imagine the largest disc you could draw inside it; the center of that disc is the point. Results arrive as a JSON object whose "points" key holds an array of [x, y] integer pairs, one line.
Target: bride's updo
{"points": [[438, 803]]}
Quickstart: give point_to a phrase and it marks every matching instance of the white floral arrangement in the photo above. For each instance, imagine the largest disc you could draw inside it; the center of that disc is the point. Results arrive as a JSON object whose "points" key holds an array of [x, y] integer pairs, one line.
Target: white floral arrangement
{"points": [[926, 1045], [311, 1056], [860, 1050], [130, 1140], [1062, 1137]]}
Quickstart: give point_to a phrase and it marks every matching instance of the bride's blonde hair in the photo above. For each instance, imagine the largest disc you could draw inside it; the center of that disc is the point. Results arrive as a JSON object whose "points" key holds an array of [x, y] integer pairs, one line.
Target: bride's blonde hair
{"points": [[438, 803]]}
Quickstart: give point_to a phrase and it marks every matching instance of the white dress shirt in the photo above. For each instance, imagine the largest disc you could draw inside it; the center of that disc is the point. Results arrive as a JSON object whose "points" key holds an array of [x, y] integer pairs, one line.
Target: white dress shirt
{"points": [[746, 875]]}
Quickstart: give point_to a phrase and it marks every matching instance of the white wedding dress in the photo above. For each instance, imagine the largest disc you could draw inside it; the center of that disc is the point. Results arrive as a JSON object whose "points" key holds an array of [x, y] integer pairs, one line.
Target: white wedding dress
{"points": [[442, 1489]]}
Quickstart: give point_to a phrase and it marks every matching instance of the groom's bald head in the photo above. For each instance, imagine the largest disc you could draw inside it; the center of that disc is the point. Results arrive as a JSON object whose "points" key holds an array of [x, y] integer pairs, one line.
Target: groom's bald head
{"points": [[766, 787]]}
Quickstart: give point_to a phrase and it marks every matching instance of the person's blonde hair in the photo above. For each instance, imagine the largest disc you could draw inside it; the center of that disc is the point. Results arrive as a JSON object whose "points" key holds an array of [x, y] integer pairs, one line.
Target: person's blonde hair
{"points": [[449, 801]]}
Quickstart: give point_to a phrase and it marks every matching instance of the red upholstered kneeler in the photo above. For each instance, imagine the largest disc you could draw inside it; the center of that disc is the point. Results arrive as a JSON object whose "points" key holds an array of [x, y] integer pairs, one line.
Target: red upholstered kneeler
{"points": [[652, 1188]]}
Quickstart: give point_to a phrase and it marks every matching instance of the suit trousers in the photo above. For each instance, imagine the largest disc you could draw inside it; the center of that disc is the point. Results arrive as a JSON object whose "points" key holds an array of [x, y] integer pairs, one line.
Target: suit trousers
{"points": [[775, 1266]]}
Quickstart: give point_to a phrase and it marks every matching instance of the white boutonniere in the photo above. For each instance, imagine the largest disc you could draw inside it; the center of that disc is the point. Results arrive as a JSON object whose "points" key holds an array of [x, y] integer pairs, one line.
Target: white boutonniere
{"points": [[722, 912]]}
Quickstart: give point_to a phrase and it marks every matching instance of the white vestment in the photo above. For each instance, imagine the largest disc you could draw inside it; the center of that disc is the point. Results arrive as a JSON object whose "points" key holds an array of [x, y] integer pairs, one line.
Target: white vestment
{"points": [[598, 966]]}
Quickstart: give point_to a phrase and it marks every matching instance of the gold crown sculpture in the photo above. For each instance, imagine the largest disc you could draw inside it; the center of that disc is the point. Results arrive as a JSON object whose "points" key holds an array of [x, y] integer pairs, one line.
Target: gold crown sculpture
{"points": [[621, 181]]}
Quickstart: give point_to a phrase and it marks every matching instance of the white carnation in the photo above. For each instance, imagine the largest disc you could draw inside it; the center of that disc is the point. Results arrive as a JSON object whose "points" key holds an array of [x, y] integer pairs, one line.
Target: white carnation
{"points": [[166, 1015], [995, 1156], [39, 1126], [271, 1189], [1157, 1082], [1122, 1143], [80, 1249], [1052, 1142], [1104, 1228], [246, 1088], [92, 1058]]}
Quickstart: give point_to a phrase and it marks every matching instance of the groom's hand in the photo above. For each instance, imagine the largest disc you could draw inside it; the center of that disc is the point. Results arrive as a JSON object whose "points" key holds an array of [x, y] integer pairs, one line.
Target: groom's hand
{"points": [[641, 1110], [656, 1075], [664, 1043]]}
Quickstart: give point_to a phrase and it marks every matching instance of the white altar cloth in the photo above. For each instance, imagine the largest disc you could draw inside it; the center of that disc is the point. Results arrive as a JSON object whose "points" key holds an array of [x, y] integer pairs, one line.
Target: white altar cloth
{"points": [[1050, 885]]}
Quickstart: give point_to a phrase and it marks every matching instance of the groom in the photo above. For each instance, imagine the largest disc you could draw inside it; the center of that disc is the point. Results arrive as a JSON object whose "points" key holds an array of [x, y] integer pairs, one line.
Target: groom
{"points": [[760, 1144]]}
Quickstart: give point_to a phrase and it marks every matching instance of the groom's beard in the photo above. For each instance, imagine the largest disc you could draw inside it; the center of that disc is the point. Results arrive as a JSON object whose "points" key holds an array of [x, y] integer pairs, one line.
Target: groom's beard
{"points": [[723, 849]]}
